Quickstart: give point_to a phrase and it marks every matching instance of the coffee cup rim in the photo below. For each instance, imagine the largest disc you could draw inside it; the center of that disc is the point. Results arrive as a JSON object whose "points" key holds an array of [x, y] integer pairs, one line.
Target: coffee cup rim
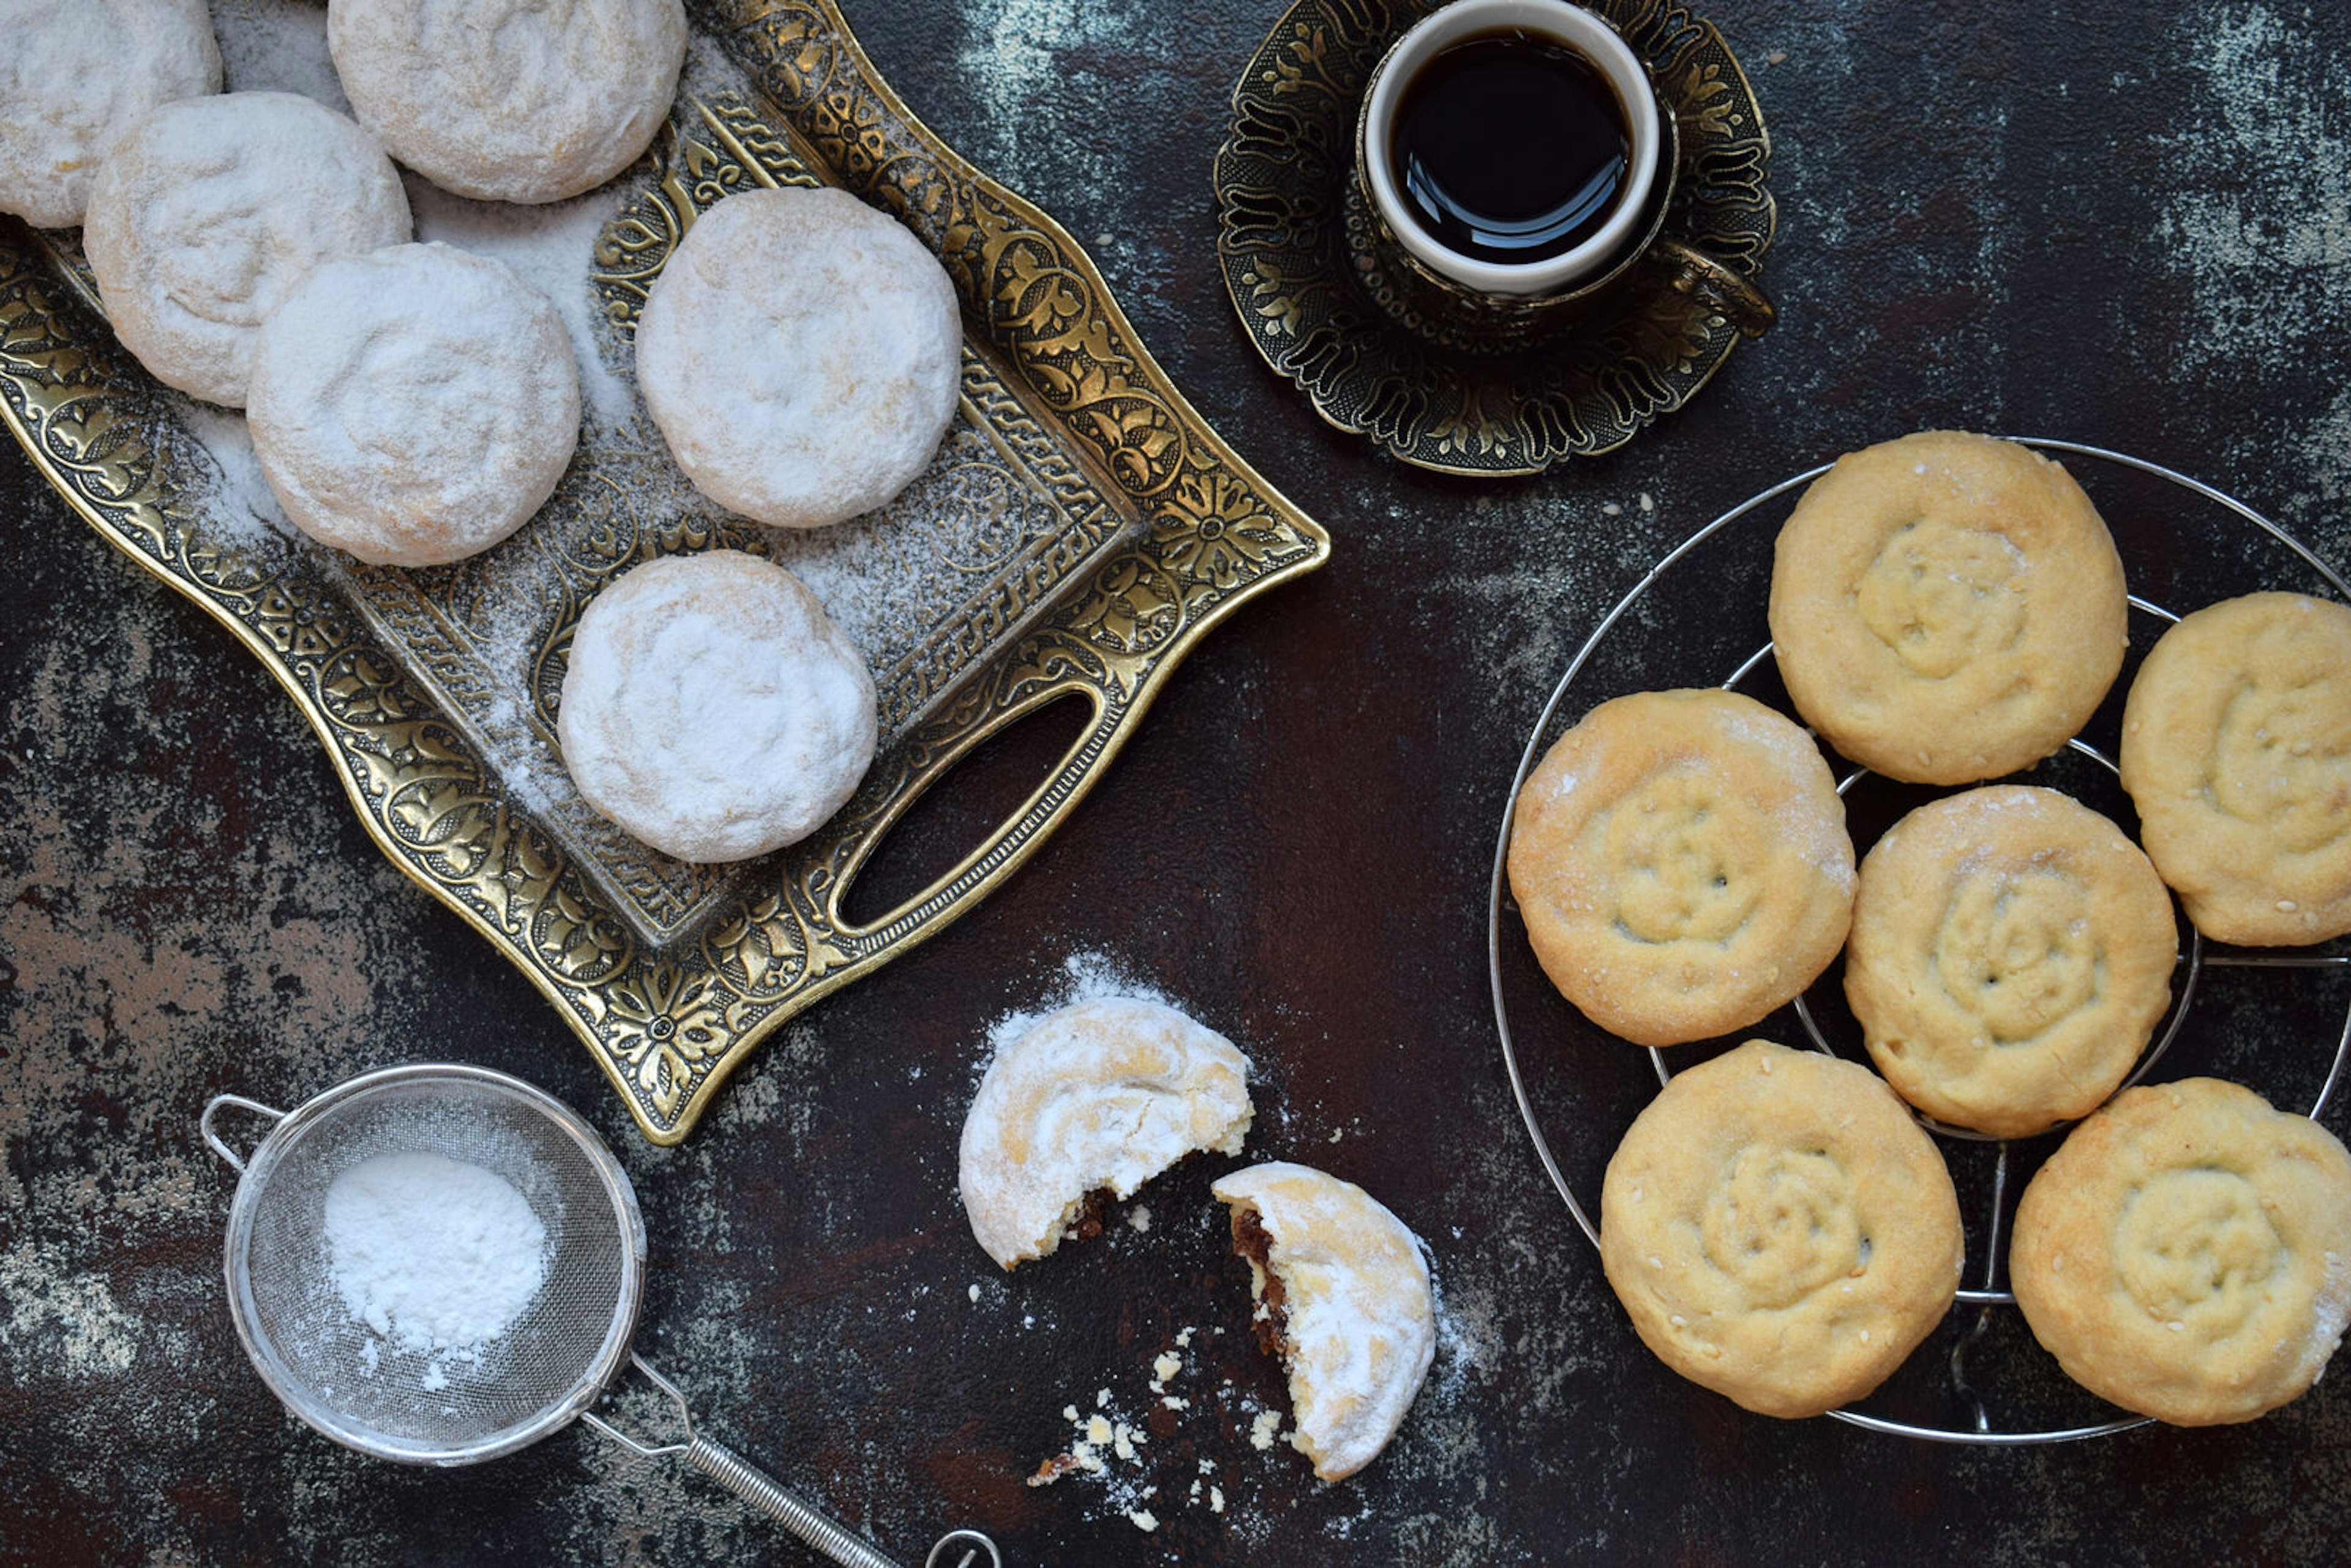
{"points": [[1574, 25]]}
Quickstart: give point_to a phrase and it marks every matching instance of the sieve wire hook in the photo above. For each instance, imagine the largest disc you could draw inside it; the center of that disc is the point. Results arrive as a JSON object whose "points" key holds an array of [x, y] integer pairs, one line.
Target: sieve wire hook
{"points": [[755, 1487], [213, 1108]]}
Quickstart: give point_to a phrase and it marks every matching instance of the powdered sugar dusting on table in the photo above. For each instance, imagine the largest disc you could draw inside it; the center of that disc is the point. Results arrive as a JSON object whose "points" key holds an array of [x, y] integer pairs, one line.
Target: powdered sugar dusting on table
{"points": [[1085, 976]]}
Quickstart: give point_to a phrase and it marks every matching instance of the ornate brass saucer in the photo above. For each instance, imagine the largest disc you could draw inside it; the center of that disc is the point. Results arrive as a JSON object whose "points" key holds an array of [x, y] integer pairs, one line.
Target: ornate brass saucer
{"points": [[1108, 528], [1338, 327]]}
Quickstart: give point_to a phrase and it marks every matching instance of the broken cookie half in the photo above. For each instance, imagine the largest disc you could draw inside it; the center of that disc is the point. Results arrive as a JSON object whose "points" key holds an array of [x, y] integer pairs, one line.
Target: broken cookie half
{"points": [[1097, 1097], [1344, 1298]]}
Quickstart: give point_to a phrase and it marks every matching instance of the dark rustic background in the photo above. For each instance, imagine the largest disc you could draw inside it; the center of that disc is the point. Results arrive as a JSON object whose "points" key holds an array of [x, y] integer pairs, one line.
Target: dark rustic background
{"points": [[2125, 223]]}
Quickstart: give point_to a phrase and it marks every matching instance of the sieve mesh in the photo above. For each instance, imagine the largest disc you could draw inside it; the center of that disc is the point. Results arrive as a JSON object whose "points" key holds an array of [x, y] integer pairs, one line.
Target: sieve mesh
{"points": [[335, 1372]]}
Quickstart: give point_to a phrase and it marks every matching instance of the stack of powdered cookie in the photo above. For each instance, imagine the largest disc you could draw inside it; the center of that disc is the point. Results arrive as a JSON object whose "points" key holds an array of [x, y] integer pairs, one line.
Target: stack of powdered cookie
{"points": [[413, 405], [1945, 610]]}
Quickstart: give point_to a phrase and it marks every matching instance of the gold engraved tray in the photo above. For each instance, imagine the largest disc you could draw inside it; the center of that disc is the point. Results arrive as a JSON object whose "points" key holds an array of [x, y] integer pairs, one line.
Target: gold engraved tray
{"points": [[1104, 527]]}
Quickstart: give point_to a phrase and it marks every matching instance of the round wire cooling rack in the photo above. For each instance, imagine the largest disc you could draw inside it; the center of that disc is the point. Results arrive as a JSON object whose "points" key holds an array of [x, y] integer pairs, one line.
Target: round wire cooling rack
{"points": [[2183, 542]]}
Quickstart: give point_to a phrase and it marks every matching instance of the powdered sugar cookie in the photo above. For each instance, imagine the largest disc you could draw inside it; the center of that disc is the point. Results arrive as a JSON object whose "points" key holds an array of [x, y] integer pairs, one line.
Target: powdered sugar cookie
{"points": [[1682, 862], [712, 709], [2011, 954], [510, 101], [1099, 1096], [413, 405], [802, 354], [74, 78], [208, 211], [2187, 1252], [1343, 1299], [1780, 1229], [2237, 752], [1947, 607]]}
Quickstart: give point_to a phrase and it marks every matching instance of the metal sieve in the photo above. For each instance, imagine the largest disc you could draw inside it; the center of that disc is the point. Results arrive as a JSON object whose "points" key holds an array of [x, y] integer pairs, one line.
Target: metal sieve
{"points": [[553, 1362]]}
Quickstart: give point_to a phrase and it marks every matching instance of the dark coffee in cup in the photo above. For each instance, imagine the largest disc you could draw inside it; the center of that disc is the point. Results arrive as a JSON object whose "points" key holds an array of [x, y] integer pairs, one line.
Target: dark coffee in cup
{"points": [[1509, 147], [1513, 160]]}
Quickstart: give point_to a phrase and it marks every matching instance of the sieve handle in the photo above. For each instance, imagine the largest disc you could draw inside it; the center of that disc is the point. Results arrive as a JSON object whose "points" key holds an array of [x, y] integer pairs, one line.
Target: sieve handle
{"points": [[727, 1467], [213, 1108], [956, 1549]]}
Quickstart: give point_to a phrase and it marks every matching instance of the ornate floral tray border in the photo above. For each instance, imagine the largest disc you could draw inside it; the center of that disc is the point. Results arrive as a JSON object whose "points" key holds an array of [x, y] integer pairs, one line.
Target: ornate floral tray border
{"points": [[668, 1027]]}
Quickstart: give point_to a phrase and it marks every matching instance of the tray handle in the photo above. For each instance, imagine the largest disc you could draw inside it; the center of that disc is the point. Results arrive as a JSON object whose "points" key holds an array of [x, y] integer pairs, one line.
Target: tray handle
{"points": [[1014, 838]]}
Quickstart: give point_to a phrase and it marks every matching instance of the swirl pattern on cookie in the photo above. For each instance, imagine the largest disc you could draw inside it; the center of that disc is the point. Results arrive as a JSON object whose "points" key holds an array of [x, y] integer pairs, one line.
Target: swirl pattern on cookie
{"points": [[510, 101], [2187, 1252], [1682, 862], [2237, 752], [1780, 1229], [1947, 607], [415, 405], [2011, 954], [802, 355], [712, 709], [211, 209], [1098, 1096]]}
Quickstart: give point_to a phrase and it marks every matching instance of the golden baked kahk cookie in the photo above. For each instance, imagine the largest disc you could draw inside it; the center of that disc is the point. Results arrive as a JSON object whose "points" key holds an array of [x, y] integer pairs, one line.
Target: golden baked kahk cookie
{"points": [[1780, 1228], [1681, 860], [2187, 1252], [2237, 752], [2011, 954], [1947, 608]]}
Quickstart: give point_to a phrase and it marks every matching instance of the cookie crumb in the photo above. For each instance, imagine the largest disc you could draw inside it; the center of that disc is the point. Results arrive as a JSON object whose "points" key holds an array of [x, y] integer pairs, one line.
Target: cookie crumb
{"points": [[1143, 1520], [1262, 1429]]}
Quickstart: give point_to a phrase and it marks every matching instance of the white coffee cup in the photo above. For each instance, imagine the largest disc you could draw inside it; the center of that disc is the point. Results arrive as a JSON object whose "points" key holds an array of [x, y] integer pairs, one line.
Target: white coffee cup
{"points": [[1553, 20]]}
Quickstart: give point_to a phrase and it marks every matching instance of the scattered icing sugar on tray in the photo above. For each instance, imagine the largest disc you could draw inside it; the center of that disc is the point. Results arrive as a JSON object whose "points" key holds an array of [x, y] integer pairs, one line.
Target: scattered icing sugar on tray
{"points": [[432, 1254], [929, 587]]}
